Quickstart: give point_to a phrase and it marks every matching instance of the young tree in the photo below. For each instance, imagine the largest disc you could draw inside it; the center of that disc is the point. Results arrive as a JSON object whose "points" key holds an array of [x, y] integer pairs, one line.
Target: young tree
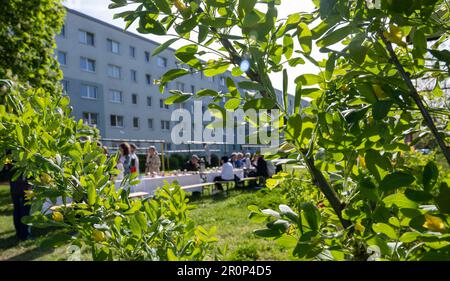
{"points": [[363, 105]]}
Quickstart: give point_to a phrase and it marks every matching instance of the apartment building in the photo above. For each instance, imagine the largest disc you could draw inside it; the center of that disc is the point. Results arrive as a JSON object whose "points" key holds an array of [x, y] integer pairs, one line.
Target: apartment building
{"points": [[110, 76]]}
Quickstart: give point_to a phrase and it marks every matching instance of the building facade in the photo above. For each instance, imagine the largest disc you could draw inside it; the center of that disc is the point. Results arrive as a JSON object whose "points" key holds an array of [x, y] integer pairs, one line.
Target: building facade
{"points": [[110, 76]]}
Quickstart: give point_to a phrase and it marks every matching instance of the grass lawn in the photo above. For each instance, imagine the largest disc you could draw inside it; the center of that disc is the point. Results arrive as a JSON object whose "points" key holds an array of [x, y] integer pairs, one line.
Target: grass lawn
{"points": [[229, 214], [235, 230]]}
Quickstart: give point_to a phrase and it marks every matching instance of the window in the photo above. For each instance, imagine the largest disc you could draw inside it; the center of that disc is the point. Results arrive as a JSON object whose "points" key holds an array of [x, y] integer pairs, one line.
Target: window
{"points": [[114, 71], [90, 118], [65, 85], [115, 96], [113, 46], [117, 121], [149, 101], [180, 86], [132, 52], [134, 98], [86, 37], [210, 79], [193, 89], [150, 123], [165, 125], [135, 122], [63, 31], [162, 104], [222, 81], [148, 78], [88, 92], [87, 64], [147, 56], [162, 62], [133, 75], [62, 58]]}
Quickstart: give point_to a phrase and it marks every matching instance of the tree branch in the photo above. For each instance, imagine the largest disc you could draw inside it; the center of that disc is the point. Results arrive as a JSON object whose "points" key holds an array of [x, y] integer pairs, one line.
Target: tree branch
{"points": [[417, 99]]}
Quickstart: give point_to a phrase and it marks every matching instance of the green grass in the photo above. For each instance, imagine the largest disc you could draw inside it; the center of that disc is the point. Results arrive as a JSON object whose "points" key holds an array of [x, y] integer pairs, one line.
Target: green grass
{"points": [[13, 249], [235, 230], [229, 214]]}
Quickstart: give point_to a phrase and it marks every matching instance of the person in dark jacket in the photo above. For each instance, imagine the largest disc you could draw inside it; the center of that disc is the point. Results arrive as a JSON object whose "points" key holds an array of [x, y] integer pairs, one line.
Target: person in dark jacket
{"points": [[261, 169], [18, 188], [193, 164]]}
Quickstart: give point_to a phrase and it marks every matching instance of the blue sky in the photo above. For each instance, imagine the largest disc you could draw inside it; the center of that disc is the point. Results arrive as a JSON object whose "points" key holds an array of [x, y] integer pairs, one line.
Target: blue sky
{"points": [[99, 9]]}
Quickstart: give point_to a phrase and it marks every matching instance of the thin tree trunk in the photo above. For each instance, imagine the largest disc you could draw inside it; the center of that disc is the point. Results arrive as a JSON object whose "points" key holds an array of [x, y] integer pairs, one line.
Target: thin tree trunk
{"points": [[417, 99]]}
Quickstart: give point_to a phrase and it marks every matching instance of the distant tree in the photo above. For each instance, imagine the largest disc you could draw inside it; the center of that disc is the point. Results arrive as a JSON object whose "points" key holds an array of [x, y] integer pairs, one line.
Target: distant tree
{"points": [[27, 42]]}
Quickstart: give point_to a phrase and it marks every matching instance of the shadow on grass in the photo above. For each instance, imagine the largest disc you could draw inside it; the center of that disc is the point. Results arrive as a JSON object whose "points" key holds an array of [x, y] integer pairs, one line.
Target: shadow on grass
{"points": [[9, 242], [31, 254]]}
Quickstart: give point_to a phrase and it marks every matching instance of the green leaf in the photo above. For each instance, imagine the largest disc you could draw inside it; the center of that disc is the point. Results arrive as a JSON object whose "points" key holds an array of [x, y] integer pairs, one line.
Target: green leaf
{"points": [[330, 65], [305, 38], [187, 26], [294, 127], [207, 93], [409, 237], [443, 199], [135, 227], [216, 69], [249, 85], [164, 46], [443, 55], [232, 104], [420, 44], [308, 79], [92, 194], [396, 180], [430, 175], [173, 74], [335, 36], [19, 135], [368, 190], [418, 196], [400, 200], [381, 109], [267, 233], [262, 103], [288, 46], [384, 229], [149, 25], [312, 215], [163, 6], [186, 53]]}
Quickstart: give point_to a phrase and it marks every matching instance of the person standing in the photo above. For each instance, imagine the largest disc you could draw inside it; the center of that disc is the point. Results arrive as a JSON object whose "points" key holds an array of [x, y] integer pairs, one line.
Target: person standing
{"points": [[153, 162], [134, 164], [125, 158], [261, 169], [18, 189]]}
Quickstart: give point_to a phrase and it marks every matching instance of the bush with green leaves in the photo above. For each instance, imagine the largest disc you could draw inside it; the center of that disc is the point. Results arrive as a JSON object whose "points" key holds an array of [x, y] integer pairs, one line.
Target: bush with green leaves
{"points": [[66, 165], [366, 99]]}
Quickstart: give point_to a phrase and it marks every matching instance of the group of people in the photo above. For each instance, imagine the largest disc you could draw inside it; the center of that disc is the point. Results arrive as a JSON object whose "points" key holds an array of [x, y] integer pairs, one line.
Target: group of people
{"points": [[129, 161]]}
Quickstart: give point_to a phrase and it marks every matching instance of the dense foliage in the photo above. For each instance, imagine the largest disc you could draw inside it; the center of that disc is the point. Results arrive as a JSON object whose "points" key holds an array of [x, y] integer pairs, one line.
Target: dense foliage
{"points": [[27, 36], [364, 106], [63, 161]]}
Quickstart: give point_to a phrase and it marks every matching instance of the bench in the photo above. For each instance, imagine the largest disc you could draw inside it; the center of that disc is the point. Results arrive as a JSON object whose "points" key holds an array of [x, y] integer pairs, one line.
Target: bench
{"points": [[200, 185], [138, 195], [226, 183]]}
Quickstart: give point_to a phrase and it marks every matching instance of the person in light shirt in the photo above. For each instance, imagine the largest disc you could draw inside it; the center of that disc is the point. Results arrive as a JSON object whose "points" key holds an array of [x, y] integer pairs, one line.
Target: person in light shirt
{"points": [[227, 173]]}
